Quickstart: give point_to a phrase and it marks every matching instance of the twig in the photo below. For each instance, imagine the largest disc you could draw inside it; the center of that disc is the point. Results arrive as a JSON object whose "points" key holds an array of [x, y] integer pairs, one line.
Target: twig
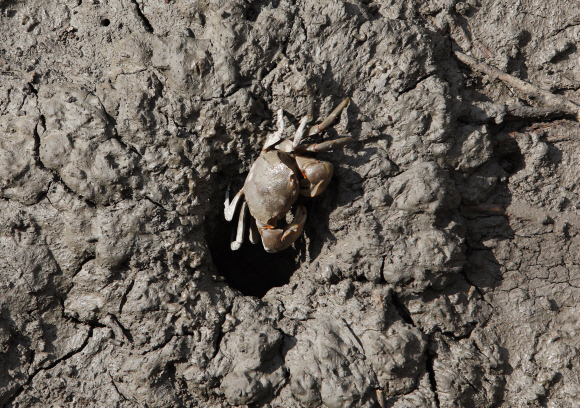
{"points": [[531, 90], [484, 208], [558, 131], [550, 132], [458, 33], [533, 112]]}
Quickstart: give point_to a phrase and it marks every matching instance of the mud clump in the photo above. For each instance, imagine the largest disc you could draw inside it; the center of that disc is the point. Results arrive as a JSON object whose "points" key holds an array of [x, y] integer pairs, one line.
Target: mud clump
{"points": [[438, 269]]}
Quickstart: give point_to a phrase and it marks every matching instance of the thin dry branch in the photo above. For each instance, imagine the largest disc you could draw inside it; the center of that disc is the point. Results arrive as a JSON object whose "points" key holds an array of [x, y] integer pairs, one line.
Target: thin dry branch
{"points": [[536, 113], [556, 101]]}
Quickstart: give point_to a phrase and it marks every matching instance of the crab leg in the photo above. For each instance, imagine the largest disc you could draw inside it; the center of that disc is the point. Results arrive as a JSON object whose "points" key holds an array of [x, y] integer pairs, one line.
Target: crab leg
{"points": [[314, 130], [277, 239], [328, 145], [235, 245], [300, 132], [275, 137], [254, 233], [230, 208]]}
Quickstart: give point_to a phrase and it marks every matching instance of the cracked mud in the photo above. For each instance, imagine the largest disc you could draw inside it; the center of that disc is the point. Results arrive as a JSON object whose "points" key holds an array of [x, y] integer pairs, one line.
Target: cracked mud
{"points": [[441, 267]]}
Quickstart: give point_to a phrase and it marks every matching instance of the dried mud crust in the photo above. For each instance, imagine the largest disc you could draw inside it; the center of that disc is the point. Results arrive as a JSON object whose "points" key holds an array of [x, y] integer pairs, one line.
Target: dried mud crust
{"points": [[441, 268]]}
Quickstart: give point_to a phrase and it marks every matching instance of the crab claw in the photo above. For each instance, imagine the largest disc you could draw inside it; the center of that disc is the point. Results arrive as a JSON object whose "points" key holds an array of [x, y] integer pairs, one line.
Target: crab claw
{"points": [[317, 173], [277, 239]]}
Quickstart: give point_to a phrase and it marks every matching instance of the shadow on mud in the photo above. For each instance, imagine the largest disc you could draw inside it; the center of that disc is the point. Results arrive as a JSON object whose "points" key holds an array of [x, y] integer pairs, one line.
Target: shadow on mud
{"points": [[251, 269]]}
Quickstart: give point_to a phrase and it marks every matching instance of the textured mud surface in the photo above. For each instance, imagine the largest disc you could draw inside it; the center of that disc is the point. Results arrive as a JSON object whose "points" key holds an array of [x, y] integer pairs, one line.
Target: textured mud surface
{"points": [[441, 268]]}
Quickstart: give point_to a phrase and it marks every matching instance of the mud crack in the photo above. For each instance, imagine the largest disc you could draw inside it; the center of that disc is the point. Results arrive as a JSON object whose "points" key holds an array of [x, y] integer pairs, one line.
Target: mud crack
{"points": [[146, 24]]}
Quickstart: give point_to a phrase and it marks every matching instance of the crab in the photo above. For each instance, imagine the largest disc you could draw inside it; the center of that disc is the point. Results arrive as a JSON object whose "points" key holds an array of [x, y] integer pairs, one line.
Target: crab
{"points": [[281, 172]]}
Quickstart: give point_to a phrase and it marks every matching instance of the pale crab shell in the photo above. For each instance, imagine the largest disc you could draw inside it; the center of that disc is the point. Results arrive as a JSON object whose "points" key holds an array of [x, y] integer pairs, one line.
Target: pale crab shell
{"points": [[272, 186]]}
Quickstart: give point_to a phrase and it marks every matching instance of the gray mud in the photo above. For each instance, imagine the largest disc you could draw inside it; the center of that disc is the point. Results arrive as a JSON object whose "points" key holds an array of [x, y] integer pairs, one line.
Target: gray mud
{"points": [[441, 268]]}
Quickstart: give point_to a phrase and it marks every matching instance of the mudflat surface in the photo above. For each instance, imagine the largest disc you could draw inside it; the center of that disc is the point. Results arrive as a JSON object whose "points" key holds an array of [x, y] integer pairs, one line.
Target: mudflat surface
{"points": [[440, 268]]}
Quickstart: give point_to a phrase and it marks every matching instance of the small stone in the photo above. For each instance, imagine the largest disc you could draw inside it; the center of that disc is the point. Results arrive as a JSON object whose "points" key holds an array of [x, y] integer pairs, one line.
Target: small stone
{"points": [[546, 220], [360, 37]]}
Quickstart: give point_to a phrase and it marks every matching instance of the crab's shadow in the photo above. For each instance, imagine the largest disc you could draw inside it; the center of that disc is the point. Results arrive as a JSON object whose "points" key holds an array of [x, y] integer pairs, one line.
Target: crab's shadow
{"points": [[346, 188]]}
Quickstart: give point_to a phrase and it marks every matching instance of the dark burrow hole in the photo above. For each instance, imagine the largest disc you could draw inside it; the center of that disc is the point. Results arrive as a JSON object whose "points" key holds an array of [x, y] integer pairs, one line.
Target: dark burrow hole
{"points": [[250, 269], [105, 22], [512, 162], [509, 155]]}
